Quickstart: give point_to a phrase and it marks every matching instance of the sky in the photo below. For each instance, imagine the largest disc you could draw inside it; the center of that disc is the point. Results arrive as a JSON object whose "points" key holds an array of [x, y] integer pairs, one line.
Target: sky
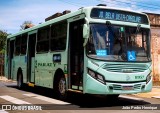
{"points": [[14, 12]]}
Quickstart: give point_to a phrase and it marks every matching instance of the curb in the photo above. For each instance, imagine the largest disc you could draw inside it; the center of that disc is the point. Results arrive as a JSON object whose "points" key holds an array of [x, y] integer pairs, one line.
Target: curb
{"points": [[155, 93], [156, 87], [2, 78], [157, 97]]}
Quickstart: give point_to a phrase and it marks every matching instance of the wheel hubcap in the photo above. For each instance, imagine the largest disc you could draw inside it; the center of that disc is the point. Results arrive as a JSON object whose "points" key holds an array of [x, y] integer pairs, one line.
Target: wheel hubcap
{"points": [[62, 87]]}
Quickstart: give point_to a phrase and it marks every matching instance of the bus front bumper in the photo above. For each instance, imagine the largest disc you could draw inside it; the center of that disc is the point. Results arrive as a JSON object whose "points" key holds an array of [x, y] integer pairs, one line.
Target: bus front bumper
{"points": [[93, 86]]}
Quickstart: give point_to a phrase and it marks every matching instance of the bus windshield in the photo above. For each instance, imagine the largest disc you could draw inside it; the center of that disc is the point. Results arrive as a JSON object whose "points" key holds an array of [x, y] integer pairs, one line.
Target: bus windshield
{"points": [[119, 43]]}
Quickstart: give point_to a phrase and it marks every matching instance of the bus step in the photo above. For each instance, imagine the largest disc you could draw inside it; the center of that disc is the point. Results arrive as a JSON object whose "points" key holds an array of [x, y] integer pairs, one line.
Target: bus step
{"points": [[77, 91], [31, 84]]}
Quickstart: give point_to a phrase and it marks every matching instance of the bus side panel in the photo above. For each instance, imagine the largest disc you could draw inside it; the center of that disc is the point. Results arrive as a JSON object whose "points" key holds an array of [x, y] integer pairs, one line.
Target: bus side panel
{"points": [[43, 70], [8, 58], [18, 62], [33, 69], [15, 66], [13, 71], [59, 65], [23, 66], [46, 68]]}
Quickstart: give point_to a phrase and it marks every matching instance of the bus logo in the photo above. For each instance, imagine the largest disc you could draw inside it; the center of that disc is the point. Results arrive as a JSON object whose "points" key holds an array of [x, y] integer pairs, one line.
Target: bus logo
{"points": [[128, 78]]}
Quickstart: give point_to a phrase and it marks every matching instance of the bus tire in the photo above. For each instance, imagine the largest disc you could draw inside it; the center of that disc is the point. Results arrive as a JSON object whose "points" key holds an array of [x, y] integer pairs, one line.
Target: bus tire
{"points": [[60, 87], [20, 80]]}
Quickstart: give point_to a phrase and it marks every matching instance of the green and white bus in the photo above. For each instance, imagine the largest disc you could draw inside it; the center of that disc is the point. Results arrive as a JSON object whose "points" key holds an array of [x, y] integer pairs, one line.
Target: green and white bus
{"points": [[95, 50]]}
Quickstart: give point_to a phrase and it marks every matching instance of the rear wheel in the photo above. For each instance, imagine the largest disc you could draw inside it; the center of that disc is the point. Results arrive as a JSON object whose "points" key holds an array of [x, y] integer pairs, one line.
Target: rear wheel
{"points": [[20, 81], [60, 87]]}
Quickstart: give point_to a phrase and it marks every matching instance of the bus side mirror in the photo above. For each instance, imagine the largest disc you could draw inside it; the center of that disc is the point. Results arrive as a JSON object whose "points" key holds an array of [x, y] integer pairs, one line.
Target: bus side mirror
{"points": [[85, 31]]}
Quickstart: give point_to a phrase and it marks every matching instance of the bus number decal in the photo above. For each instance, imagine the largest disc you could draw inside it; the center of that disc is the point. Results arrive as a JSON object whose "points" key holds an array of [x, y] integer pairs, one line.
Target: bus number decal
{"points": [[139, 77]]}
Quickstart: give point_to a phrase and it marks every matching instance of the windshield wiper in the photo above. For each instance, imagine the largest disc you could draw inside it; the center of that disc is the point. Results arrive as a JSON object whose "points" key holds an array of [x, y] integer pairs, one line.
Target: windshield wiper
{"points": [[137, 30], [108, 24]]}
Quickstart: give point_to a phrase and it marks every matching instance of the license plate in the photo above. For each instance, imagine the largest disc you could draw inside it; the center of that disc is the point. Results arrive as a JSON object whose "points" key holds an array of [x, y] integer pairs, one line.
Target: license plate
{"points": [[128, 88]]}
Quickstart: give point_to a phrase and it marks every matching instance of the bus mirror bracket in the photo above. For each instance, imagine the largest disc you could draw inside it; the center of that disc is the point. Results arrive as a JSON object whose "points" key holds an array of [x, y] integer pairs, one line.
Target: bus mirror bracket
{"points": [[85, 32]]}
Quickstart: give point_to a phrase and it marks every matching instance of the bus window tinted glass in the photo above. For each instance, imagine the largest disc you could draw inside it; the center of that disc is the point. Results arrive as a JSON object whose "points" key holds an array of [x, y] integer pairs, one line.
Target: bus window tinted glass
{"points": [[118, 43], [43, 40], [17, 45], [24, 44], [58, 36]]}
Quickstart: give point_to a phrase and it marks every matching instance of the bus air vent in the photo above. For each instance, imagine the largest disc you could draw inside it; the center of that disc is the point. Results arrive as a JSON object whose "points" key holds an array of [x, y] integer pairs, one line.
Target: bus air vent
{"points": [[57, 15], [101, 5], [137, 86], [117, 87], [120, 87], [125, 68]]}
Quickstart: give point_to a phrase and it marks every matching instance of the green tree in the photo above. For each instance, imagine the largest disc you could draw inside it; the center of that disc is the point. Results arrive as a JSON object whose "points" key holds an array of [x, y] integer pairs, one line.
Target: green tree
{"points": [[3, 37]]}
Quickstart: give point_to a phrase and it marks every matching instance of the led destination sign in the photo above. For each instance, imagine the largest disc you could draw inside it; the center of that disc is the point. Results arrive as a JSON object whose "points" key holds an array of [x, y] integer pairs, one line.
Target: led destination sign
{"points": [[119, 16]]}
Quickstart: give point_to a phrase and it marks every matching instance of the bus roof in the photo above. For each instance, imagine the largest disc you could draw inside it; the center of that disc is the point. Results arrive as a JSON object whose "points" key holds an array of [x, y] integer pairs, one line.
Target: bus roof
{"points": [[58, 19], [69, 15]]}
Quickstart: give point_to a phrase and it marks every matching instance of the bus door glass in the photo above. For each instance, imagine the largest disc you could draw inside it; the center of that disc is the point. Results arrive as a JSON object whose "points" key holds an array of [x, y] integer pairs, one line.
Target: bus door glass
{"points": [[76, 54], [10, 49], [31, 58]]}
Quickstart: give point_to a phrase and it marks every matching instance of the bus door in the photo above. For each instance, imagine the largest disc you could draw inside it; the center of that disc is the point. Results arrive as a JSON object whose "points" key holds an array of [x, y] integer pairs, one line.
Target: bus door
{"points": [[10, 49], [76, 54], [31, 58]]}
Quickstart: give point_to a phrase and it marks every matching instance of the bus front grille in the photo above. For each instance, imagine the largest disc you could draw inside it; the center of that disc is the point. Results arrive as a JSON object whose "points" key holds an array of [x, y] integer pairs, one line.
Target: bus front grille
{"points": [[117, 87], [137, 86], [125, 68], [120, 87]]}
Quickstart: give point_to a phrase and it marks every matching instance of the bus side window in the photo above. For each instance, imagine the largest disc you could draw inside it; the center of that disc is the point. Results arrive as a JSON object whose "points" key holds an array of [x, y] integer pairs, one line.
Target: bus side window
{"points": [[17, 45], [43, 39], [24, 44], [58, 36]]}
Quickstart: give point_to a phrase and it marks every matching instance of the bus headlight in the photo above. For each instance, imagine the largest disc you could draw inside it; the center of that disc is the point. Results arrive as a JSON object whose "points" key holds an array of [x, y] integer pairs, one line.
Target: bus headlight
{"points": [[96, 76], [92, 73], [148, 78], [100, 78]]}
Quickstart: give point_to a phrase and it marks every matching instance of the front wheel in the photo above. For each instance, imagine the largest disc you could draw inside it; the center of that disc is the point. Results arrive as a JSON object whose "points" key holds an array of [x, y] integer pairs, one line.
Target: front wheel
{"points": [[60, 87]]}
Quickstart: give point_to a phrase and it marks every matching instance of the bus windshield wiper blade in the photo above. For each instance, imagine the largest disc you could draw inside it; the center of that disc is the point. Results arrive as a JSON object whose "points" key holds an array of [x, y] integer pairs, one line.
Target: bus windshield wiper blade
{"points": [[137, 30], [108, 24]]}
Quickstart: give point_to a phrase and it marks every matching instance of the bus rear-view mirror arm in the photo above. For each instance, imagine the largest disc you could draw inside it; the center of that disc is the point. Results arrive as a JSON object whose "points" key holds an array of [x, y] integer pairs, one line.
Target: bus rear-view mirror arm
{"points": [[86, 32]]}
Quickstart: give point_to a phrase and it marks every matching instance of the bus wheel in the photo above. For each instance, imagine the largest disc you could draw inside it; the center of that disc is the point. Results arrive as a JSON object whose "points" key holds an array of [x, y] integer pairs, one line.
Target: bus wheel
{"points": [[60, 88], [20, 80]]}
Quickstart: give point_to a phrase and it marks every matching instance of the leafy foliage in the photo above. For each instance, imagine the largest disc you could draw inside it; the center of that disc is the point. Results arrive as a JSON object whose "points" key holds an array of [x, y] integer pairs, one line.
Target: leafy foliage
{"points": [[3, 37]]}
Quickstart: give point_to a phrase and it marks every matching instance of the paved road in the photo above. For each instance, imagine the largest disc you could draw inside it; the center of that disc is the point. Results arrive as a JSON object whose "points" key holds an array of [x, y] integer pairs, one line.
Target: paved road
{"points": [[41, 98]]}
